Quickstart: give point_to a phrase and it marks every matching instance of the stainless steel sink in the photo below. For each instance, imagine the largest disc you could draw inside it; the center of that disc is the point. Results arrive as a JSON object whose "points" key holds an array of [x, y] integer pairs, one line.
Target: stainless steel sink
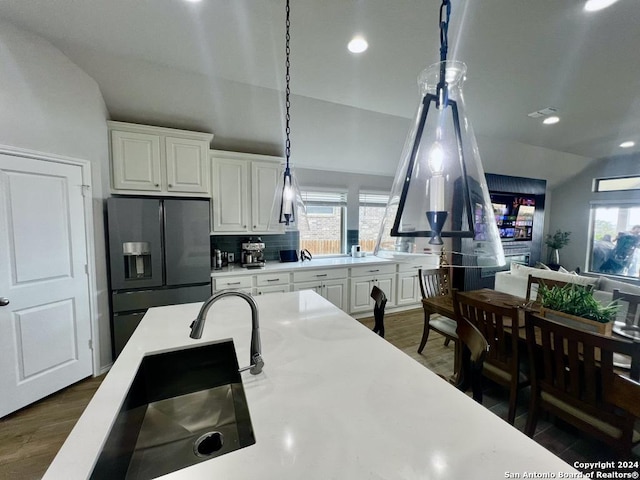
{"points": [[183, 407]]}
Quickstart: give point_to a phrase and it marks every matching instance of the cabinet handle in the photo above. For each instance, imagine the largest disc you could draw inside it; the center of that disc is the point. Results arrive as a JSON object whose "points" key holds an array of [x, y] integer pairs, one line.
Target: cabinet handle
{"points": [[4, 302], [254, 227], [321, 275], [272, 279], [233, 283], [170, 185], [417, 266], [157, 184], [244, 226], [372, 271]]}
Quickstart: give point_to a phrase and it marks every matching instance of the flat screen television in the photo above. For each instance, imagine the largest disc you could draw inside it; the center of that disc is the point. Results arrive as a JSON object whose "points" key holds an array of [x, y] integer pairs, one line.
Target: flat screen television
{"points": [[514, 215]]}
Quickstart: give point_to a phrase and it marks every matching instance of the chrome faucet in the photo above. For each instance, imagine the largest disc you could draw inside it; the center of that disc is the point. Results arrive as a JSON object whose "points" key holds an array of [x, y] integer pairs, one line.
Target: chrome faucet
{"points": [[256, 362]]}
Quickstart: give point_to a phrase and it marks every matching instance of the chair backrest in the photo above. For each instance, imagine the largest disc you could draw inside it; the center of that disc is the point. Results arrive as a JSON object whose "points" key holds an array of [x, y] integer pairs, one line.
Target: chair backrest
{"points": [[379, 297], [378, 310], [631, 312], [576, 367], [534, 283], [434, 282], [490, 320], [624, 393], [475, 349]]}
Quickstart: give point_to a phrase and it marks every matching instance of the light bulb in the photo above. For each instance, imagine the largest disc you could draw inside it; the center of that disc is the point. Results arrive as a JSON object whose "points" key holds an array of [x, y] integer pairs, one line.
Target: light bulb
{"points": [[435, 160], [436, 157], [287, 196]]}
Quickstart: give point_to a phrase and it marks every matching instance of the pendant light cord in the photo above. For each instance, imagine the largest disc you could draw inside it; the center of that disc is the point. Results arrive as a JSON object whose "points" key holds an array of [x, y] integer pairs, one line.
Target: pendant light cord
{"points": [[287, 102], [442, 93]]}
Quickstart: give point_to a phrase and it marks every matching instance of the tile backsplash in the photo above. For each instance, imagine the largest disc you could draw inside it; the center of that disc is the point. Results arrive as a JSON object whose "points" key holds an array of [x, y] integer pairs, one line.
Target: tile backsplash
{"points": [[272, 243]]}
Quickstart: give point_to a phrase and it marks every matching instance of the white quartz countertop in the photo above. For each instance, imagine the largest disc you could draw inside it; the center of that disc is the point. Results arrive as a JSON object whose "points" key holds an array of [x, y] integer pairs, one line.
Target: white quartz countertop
{"points": [[275, 266], [335, 401]]}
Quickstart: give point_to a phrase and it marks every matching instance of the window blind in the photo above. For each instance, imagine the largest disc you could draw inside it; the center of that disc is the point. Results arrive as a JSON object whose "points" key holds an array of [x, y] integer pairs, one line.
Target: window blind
{"points": [[373, 199], [328, 199]]}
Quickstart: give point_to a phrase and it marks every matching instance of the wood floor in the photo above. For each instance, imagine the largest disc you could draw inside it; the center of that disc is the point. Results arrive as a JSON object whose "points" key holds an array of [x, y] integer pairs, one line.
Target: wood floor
{"points": [[31, 437]]}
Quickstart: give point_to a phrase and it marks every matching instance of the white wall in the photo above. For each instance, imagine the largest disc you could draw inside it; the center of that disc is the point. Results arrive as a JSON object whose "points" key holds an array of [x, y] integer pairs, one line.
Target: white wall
{"points": [[50, 105], [569, 210]]}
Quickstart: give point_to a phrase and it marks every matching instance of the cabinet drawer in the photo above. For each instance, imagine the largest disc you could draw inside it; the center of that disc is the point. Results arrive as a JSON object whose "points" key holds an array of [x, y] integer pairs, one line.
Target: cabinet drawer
{"points": [[426, 263], [281, 278], [232, 282], [370, 270], [327, 274], [272, 289]]}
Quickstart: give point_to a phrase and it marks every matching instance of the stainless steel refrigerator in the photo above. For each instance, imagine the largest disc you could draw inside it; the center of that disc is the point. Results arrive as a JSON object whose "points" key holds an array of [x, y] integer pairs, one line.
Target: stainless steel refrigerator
{"points": [[159, 254]]}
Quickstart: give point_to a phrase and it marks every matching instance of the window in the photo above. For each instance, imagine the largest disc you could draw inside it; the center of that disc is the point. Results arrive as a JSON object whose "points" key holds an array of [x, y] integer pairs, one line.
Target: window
{"points": [[617, 184], [615, 232], [327, 218], [370, 216]]}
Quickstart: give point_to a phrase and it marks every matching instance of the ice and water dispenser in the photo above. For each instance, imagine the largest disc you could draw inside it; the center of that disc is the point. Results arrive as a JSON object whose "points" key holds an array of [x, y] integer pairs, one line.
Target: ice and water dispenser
{"points": [[137, 260]]}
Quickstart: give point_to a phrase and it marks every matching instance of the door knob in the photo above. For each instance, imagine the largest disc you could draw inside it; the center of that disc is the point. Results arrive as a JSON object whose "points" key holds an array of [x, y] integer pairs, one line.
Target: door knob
{"points": [[4, 301]]}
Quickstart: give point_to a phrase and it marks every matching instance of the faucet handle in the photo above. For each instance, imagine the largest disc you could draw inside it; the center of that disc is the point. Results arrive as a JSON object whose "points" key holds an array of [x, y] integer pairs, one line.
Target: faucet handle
{"points": [[256, 366]]}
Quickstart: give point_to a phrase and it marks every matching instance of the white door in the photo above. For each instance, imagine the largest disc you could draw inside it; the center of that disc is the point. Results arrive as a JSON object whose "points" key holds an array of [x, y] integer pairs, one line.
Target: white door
{"points": [[45, 323]]}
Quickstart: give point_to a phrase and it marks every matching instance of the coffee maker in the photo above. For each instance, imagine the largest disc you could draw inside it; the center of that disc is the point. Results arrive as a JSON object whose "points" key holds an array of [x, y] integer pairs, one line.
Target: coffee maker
{"points": [[253, 253]]}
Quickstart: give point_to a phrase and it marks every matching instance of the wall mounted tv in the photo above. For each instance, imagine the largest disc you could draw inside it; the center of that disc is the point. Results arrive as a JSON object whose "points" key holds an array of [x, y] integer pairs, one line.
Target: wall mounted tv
{"points": [[514, 215]]}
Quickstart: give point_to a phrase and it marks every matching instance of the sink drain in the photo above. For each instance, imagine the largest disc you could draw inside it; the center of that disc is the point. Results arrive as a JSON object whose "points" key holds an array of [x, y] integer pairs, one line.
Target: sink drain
{"points": [[208, 444]]}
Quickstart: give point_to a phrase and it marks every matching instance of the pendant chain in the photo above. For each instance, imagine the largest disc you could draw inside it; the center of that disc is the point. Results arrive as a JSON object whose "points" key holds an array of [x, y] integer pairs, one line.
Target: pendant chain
{"points": [[287, 145]]}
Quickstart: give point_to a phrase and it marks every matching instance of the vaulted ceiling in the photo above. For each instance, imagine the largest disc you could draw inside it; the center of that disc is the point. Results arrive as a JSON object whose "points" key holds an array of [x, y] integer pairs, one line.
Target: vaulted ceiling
{"points": [[218, 66]]}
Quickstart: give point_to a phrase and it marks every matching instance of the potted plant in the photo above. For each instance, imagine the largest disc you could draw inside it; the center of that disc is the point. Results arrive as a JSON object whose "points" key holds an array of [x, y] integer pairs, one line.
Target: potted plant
{"points": [[555, 242], [575, 306]]}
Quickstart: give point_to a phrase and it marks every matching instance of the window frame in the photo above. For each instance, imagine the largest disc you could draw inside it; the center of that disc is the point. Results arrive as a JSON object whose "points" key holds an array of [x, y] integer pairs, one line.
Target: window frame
{"points": [[371, 198], [324, 197], [612, 203]]}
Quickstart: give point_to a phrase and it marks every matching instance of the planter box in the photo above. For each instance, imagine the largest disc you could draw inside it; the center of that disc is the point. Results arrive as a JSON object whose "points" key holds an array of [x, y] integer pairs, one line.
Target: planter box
{"points": [[577, 322]]}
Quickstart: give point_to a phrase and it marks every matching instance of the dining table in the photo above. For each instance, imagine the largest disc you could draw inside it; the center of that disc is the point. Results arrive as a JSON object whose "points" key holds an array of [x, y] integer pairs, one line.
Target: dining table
{"points": [[443, 305]]}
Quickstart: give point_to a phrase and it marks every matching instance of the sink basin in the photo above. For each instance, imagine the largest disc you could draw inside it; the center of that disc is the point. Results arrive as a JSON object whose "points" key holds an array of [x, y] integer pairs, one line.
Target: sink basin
{"points": [[183, 407]]}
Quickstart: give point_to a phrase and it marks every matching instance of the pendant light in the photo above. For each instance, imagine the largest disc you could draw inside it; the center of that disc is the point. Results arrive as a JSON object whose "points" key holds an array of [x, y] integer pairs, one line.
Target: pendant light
{"points": [[439, 204], [287, 210]]}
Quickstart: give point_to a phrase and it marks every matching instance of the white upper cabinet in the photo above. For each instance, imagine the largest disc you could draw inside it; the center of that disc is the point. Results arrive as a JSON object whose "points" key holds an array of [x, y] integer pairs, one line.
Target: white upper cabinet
{"points": [[243, 189], [147, 159]]}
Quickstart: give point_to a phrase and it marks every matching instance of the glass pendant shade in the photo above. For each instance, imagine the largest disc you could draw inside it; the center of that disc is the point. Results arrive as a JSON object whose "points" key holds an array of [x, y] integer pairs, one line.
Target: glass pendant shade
{"points": [[287, 210], [439, 204]]}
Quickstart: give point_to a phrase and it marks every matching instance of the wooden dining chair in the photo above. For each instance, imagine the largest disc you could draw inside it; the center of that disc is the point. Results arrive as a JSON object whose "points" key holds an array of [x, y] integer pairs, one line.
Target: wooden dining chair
{"points": [[380, 300], [502, 363], [573, 377], [629, 325], [436, 282], [474, 351]]}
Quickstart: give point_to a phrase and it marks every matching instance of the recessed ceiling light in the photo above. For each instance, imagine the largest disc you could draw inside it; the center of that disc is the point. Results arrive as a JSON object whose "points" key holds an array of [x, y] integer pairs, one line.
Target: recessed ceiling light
{"points": [[628, 144], [551, 120], [192, 1], [357, 45], [595, 5]]}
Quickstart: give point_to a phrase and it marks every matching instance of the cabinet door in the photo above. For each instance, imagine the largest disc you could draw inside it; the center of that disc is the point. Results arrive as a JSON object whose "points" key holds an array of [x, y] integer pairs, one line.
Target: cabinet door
{"points": [[387, 283], [407, 288], [264, 180], [336, 292], [136, 161], [230, 198], [187, 165], [315, 286], [360, 298]]}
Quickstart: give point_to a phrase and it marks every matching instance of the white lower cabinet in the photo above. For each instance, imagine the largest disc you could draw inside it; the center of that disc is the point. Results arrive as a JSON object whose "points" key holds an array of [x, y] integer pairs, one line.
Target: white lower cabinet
{"points": [[329, 283], [408, 289], [364, 278], [333, 290], [272, 283]]}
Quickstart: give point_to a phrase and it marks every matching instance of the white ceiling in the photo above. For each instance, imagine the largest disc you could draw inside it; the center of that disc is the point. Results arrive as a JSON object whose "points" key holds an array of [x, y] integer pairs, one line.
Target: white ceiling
{"points": [[218, 66]]}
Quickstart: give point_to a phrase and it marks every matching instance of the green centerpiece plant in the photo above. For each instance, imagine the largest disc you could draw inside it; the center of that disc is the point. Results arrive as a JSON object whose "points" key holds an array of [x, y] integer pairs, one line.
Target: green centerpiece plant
{"points": [[576, 300]]}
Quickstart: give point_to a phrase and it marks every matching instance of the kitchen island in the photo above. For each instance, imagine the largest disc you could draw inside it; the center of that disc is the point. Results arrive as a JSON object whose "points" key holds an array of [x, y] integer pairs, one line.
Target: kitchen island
{"points": [[334, 401]]}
